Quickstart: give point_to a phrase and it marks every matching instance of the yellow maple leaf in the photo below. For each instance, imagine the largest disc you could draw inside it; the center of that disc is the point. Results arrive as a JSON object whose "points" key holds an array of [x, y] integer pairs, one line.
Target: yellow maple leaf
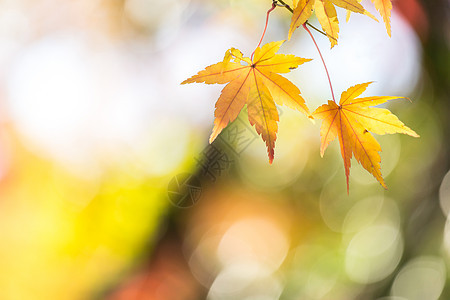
{"points": [[327, 16], [325, 13], [254, 82], [352, 121], [384, 7]]}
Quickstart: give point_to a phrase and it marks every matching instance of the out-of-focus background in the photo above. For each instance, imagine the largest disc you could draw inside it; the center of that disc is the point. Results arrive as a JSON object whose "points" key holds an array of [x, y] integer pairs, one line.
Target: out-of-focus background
{"points": [[109, 190]]}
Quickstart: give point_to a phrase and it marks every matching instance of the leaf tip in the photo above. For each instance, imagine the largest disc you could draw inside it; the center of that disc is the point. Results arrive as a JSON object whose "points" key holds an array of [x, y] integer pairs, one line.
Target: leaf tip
{"points": [[271, 152], [214, 135], [381, 181], [322, 151], [414, 134], [370, 16]]}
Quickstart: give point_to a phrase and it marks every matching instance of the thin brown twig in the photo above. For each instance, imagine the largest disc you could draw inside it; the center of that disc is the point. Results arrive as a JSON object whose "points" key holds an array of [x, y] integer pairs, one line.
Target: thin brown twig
{"points": [[307, 23]]}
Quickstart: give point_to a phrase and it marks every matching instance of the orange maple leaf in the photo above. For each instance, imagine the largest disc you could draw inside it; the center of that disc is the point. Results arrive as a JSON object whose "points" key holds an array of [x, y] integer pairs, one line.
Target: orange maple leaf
{"points": [[254, 82], [325, 13], [351, 121]]}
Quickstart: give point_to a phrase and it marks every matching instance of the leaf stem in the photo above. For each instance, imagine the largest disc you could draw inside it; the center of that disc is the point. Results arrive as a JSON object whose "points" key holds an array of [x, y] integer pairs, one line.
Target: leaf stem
{"points": [[323, 61], [265, 27]]}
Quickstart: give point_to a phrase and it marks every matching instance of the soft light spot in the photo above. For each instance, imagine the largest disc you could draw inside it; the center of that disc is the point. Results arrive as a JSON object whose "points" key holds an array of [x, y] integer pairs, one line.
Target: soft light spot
{"points": [[362, 214], [373, 253], [422, 278], [254, 239], [249, 280], [444, 194]]}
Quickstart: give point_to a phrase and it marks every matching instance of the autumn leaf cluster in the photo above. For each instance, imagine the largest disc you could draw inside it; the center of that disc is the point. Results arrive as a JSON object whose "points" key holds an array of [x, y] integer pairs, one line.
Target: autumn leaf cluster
{"points": [[255, 82], [325, 11]]}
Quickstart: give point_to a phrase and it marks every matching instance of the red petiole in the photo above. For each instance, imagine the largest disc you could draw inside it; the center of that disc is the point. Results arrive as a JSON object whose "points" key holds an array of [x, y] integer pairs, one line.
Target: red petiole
{"points": [[323, 61], [265, 27]]}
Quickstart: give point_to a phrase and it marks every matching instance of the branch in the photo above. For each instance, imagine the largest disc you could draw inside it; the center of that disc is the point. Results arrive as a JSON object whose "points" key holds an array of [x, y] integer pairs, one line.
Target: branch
{"points": [[283, 4]]}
